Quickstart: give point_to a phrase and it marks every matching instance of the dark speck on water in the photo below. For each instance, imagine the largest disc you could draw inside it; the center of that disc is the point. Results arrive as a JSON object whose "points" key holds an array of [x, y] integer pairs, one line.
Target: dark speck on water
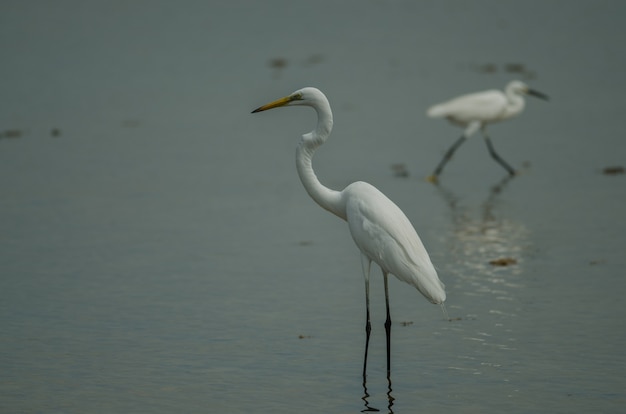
{"points": [[278, 63], [11, 133], [512, 68], [400, 170], [314, 59], [504, 261], [615, 170]]}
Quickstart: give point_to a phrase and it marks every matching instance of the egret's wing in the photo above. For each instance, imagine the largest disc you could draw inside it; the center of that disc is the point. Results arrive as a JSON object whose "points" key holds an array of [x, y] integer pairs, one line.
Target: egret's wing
{"points": [[481, 106], [382, 232]]}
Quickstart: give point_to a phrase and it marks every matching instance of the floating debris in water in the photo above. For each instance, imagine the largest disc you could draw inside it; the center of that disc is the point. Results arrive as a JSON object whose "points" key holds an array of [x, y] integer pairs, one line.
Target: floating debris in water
{"points": [[314, 59], [399, 170], [514, 67], [615, 170], [304, 337], [406, 323], [11, 133], [278, 63], [504, 261], [55, 132]]}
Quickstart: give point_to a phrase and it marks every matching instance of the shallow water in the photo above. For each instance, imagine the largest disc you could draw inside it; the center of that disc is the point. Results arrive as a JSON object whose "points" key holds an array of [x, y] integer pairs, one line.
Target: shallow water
{"points": [[160, 255]]}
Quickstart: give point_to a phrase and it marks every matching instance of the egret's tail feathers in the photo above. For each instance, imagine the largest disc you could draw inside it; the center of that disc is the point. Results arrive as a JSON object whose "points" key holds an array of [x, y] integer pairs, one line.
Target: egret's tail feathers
{"points": [[425, 279], [436, 111]]}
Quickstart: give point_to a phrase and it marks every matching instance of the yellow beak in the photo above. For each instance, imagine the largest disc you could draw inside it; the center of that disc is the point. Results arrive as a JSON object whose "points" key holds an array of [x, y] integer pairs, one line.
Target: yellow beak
{"points": [[275, 104]]}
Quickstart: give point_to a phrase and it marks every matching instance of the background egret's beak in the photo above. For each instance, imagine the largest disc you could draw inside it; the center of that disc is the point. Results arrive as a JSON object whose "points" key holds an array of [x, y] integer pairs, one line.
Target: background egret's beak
{"points": [[279, 102], [537, 94]]}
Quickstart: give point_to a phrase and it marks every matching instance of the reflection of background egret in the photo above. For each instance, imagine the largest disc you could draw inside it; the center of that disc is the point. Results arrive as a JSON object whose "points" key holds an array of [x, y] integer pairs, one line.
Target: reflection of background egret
{"points": [[493, 294], [478, 240], [474, 111]]}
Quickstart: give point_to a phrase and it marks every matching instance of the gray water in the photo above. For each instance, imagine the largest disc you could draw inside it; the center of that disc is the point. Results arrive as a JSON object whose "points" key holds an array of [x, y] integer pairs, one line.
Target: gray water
{"points": [[159, 255]]}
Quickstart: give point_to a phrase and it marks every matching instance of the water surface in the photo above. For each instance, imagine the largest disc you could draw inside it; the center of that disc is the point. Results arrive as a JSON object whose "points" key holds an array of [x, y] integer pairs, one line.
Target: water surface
{"points": [[160, 255]]}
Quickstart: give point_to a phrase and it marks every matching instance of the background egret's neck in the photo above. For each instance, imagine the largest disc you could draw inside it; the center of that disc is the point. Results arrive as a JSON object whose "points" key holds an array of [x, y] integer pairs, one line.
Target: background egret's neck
{"points": [[515, 106], [515, 103]]}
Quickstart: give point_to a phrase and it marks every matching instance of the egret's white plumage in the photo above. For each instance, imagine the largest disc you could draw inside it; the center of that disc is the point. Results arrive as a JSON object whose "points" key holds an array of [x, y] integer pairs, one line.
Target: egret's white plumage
{"points": [[385, 235], [475, 110], [485, 107], [378, 227]]}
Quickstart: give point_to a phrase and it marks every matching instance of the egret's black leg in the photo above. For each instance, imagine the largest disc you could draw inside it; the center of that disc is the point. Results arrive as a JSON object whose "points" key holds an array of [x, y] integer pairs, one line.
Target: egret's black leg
{"points": [[388, 332], [365, 393], [387, 325], [366, 264], [447, 156], [496, 157], [368, 330]]}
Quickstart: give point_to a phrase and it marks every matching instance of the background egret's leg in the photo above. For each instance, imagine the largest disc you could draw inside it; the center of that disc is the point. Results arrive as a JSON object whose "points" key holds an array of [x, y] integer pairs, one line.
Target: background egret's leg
{"points": [[448, 155], [495, 155], [471, 129], [387, 324]]}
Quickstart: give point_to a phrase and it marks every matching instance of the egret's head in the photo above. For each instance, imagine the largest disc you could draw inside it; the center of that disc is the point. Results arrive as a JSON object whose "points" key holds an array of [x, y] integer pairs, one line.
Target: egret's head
{"points": [[305, 96], [521, 88]]}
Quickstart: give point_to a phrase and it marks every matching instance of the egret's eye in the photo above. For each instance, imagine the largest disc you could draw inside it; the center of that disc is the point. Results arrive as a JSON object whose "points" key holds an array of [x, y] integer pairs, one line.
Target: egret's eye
{"points": [[296, 97]]}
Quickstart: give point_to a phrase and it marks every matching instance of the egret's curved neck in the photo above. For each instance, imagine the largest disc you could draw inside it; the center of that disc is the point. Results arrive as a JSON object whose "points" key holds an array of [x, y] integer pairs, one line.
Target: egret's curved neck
{"points": [[515, 105], [327, 198]]}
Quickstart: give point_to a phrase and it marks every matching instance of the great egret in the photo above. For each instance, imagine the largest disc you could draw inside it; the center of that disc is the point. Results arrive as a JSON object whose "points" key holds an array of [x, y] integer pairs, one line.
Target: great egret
{"points": [[379, 228], [474, 111]]}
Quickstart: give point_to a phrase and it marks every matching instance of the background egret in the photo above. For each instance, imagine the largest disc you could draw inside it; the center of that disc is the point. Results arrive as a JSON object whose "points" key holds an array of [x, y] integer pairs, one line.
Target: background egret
{"points": [[474, 111], [378, 227]]}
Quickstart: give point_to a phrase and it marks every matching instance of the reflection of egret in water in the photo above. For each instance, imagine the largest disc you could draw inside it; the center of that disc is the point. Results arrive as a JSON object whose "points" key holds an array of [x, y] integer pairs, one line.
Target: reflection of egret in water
{"points": [[475, 241], [365, 393], [478, 241]]}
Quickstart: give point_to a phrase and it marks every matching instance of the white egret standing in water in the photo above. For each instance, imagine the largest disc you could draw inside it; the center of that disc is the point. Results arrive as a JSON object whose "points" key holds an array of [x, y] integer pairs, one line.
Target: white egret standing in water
{"points": [[379, 228], [474, 111]]}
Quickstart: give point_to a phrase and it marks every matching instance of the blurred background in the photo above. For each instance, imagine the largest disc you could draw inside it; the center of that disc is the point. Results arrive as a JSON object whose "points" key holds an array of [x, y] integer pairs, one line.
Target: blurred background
{"points": [[159, 254]]}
